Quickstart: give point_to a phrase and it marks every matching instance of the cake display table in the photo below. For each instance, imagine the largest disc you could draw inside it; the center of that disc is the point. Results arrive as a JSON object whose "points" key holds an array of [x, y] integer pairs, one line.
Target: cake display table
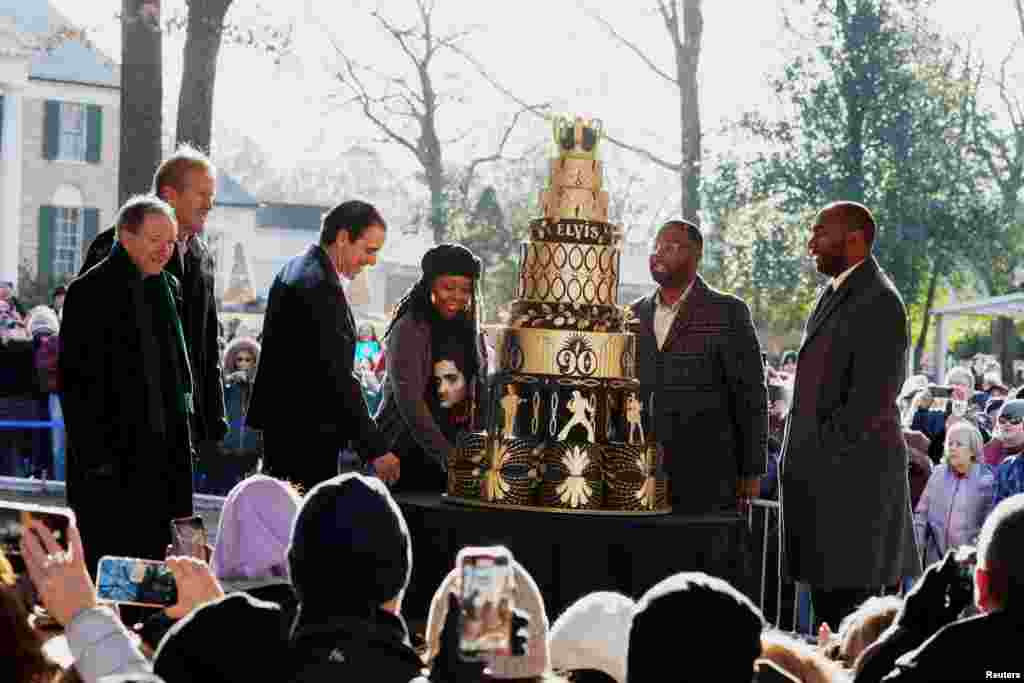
{"points": [[572, 555]]}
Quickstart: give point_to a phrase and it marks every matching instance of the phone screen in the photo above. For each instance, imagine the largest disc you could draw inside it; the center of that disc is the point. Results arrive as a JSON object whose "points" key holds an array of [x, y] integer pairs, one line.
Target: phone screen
{"points": [[131, 581], [188, 536], [486, 624], [15, 516]]}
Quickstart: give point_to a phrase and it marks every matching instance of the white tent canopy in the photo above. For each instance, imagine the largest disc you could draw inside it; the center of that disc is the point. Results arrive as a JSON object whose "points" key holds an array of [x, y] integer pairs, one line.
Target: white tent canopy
{"points": [[1010, 305]]}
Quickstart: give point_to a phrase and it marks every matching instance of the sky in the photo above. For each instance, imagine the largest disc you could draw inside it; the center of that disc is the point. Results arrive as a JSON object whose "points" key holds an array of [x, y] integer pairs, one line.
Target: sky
{"points": [[543, 50]]}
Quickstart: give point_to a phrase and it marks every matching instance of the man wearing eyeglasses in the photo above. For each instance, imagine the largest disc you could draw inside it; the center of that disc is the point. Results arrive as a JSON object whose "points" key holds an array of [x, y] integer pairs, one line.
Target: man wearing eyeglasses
{"points": [[1009, 432], [701, 369]]}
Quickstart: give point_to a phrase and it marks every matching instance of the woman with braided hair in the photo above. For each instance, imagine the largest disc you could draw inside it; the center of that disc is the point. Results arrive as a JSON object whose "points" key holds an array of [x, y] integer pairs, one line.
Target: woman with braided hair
{"points": [[436, 320]]}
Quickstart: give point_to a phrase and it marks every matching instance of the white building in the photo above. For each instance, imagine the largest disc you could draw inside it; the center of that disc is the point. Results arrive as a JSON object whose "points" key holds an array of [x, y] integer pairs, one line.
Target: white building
{"points": [[60, 110], [264, 235]]}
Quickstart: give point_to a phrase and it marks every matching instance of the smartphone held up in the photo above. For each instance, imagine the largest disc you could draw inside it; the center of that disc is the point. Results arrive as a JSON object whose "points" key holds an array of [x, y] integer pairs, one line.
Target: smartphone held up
{"points": [[132, 581], [188, 537], [487, 596], [16, 517]]}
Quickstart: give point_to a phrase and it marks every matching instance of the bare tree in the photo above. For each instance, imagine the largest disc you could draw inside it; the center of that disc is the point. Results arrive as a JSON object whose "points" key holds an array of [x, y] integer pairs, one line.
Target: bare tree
{"points": [[1003, 151], [202, 45], [684, 23], [205, 31], [406, 111], [141, 96], [1019, 5]]}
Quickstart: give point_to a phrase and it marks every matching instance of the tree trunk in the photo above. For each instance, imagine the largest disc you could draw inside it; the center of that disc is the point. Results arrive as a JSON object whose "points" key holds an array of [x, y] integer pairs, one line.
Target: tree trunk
{"points": [[429, 145], [141, 96], [438, 208], [852, 84], [687, 65], [921, 338], [202, 45]]}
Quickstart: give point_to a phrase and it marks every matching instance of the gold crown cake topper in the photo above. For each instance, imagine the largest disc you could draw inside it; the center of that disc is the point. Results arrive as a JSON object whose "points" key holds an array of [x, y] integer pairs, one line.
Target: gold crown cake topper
{"points": [[577, 138]]}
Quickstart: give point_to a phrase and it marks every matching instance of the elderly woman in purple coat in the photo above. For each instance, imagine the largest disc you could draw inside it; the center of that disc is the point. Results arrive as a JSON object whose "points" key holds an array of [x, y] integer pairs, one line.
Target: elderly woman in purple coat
{"points": [[958, 496]]}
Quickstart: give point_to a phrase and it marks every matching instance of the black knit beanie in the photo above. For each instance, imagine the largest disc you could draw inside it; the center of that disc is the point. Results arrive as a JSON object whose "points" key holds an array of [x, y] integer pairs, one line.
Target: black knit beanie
{"points": [[670, 631], [236, 638], [449, 259], [350, 545]]}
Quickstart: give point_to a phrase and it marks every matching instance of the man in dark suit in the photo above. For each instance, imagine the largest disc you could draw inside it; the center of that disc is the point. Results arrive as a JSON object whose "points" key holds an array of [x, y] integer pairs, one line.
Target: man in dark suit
{"points": [[847, 525], [186, 181], [306, 397], [701, 368], [128, 391]]}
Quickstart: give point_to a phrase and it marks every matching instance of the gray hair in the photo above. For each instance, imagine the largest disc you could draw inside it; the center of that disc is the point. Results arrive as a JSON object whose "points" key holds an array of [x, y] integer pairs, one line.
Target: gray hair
{"points": [[131, 216], [993, 377], [961, 376], [974, 440]]}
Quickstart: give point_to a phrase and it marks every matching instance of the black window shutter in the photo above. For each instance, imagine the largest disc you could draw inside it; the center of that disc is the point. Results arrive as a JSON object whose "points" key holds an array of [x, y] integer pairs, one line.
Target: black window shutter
{"points": [[47, 244], [90, 227], [51, 129], [94, 133]]}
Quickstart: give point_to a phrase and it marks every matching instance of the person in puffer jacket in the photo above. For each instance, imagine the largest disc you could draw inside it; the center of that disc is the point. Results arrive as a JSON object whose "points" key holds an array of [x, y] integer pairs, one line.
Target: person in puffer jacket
{"points": [[957, 498]]}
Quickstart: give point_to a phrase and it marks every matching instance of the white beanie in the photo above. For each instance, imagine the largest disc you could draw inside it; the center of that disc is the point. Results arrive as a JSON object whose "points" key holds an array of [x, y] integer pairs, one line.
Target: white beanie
{"points": [[527, 597], [593, 633], [42, 319]]}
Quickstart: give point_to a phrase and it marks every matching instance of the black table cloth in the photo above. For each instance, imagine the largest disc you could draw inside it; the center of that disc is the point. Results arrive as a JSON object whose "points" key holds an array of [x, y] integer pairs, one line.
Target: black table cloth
{"points": [[570, 555]]}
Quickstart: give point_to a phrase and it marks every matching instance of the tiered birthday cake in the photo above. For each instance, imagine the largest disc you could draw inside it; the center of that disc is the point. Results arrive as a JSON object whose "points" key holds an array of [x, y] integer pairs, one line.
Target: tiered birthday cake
{"points": [[567, 426]]}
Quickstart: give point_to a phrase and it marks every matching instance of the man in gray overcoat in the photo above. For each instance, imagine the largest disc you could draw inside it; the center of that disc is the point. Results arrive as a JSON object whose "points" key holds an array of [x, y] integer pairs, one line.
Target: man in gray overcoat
{"points": [[847, 525]]}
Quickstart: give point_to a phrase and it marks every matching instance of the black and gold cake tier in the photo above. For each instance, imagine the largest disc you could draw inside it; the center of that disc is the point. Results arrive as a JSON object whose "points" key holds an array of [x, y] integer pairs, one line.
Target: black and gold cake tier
{"points": [[568, 431], [566, 272], [582, 317]]}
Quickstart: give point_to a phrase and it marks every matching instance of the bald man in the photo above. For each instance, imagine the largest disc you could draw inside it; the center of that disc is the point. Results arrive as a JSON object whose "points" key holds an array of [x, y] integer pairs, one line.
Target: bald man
{"points": [[847, 524]]}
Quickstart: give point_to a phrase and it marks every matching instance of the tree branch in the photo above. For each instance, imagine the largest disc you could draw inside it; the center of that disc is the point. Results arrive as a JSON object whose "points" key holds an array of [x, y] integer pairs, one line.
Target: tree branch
{"points": [[539, 110], [674, 167], [498, 155], [630, 45], [1019, 5], [355, 84]]}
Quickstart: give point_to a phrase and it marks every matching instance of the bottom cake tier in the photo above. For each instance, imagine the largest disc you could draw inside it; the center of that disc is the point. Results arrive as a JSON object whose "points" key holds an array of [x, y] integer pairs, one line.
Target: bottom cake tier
{"points": [[558, 476]]}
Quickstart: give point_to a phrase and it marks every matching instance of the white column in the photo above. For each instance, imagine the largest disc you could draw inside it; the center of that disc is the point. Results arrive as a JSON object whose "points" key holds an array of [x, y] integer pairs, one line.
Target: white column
{"points": [[940, 349], [10, 191]]}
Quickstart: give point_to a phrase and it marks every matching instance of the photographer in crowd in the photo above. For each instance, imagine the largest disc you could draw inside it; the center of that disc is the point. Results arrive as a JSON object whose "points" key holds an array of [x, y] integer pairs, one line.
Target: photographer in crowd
{"points": [[927, 643]]}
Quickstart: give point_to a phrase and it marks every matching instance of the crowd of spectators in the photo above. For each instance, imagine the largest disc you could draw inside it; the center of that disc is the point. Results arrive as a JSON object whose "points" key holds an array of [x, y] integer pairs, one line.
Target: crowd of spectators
{"points": [[310, 588], [30, 396], [983, 416]]}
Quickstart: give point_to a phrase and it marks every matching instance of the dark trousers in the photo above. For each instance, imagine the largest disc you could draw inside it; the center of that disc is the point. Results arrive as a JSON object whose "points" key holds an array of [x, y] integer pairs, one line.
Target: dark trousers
{"points": [[831, 606], [300, 456]]}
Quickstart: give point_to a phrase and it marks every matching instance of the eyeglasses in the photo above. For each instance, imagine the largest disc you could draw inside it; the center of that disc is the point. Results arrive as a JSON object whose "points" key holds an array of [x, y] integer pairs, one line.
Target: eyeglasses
{"points": [[667, 248]]}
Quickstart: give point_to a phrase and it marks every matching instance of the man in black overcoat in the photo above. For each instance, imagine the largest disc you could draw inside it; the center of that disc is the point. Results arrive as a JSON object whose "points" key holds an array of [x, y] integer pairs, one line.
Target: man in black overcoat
{"points": [[186, 180], [128, 391], [700, 365], [847, 524], [306, 397]]}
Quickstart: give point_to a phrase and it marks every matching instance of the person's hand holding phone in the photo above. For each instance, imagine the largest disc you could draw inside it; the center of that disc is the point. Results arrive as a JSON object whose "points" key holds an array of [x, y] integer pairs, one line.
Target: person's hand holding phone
{"points": [[196, 585], [61, 578], [936, 600], [449, 666]]}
